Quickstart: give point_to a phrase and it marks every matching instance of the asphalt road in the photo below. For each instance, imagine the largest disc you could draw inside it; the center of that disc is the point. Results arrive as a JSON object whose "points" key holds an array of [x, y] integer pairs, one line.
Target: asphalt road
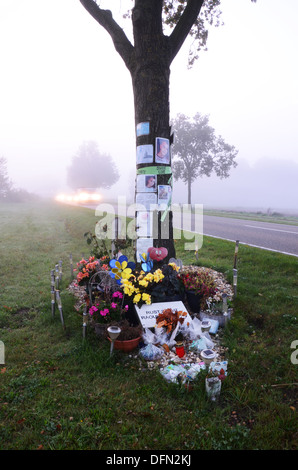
{"points": [[266, 235], [269, 236]]}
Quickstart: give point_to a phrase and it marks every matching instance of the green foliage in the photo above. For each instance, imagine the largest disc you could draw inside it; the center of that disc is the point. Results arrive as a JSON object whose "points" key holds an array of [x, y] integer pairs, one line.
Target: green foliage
{"points": [[170, 285], [210, 15]]}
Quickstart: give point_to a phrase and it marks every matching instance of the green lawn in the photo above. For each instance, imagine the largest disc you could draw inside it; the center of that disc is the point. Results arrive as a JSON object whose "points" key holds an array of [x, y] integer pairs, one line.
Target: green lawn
{"points": [[60, 392]]}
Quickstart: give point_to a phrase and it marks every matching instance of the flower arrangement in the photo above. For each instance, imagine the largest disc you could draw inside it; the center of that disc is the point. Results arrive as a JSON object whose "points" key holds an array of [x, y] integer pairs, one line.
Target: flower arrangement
{"points": [[153, 286], [200, 283], [109, 308], [139, 286], [86, 269], [169, 319]]}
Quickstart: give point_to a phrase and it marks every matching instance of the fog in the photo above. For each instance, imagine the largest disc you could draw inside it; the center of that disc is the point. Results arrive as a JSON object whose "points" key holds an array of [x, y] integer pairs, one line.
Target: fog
{"points": [[267, 185], [62, 83]]}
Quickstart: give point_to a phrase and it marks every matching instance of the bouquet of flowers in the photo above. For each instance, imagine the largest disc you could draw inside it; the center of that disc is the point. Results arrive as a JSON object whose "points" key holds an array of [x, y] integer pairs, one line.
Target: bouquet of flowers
{"points": [[87, 268], [109, 308], [139, 286]]}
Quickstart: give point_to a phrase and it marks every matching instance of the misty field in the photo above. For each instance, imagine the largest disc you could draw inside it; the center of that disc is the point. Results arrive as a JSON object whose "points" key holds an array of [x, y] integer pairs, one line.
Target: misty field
{"points": [[59, 391]]}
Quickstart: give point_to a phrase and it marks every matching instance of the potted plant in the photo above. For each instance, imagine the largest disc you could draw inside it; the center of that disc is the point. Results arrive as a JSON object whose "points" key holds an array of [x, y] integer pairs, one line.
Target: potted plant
{"points": [[108, 310], [129, 336], [199, 286]]}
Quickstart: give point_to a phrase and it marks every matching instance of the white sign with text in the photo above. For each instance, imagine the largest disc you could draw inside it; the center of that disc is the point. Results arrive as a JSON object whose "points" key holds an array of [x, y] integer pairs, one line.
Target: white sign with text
{"points": [[148, 313]]}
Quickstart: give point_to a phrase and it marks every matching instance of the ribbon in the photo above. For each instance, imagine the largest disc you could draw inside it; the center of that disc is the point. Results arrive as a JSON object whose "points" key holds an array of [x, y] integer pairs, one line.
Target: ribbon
{"points": [[155, 170]]}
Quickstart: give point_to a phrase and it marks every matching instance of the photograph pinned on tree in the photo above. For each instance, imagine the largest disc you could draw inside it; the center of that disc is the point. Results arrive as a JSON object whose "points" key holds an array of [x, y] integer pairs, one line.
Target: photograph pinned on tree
{"points": [[143, 128], [164, 195], [162, 150], [148, 201], [144, 154], [144, 223], [146, 183]]}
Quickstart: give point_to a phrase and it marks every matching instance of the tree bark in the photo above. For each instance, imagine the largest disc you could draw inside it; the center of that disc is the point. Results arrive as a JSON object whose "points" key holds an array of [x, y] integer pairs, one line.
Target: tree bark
{"points": [[150, 73], [189, 191]]}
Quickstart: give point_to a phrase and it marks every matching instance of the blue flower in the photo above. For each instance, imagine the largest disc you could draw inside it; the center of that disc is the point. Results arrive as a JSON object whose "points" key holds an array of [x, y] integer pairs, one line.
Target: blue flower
{"points": [[147, 263], [121, 269]]}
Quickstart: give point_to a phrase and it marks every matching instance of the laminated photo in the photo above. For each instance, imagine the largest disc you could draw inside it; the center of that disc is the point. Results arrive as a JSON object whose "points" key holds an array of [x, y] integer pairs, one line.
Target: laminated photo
{"points": [[144, 153], [144, 224], [164, 195], [146, 183], [148, 201], [162, 150], [143, 128]]}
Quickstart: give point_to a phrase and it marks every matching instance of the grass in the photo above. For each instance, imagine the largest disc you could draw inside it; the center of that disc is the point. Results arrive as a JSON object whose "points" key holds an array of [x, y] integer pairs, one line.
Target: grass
{"points": [[269, 216], [58, 391]]}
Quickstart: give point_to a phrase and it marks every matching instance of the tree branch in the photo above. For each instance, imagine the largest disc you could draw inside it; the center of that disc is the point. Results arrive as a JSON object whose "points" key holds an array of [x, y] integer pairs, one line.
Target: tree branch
{"points": [[104, 17], [184, 26]]}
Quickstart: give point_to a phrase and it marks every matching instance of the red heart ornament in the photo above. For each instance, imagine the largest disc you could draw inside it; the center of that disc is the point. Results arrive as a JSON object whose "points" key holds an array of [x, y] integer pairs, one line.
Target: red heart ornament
{"points": [[157, 254]]}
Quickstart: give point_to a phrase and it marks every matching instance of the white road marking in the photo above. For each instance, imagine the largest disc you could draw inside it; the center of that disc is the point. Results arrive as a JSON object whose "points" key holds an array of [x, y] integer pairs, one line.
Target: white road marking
{"points": [[254, 246], [273, 229]]}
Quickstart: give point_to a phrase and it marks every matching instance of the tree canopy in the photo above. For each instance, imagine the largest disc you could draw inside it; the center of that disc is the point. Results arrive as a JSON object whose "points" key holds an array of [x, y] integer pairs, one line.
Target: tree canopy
{"points": [[91, 169], [197, 151], [5, 183], [178, 18]]}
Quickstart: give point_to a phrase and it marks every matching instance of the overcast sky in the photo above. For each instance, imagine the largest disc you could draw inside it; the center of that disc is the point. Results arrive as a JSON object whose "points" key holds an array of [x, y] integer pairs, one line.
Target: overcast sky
{"points": [[62, 83]]}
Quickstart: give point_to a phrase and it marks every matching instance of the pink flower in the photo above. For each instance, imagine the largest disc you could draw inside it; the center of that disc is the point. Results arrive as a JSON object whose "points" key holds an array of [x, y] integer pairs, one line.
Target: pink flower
{"points": [[113, 305], [117, 294], [92, 310], [104, 312], [126, 307]]}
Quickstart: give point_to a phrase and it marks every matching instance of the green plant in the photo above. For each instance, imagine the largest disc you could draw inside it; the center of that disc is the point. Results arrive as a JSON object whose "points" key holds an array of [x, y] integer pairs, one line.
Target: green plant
{"points": [[200, 283], [103, 248], [170, 286]]}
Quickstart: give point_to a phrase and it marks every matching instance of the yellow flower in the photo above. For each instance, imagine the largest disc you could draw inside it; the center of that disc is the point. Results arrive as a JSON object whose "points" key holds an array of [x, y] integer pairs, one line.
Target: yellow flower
{"points": [[158, 275], [174, 266], [146, 298], [128, 287], [136, 298], [143, 283], [149, 277]]}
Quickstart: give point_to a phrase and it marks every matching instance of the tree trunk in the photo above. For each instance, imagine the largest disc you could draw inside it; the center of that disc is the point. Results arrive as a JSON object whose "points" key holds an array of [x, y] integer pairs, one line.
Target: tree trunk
{"points": [[150, 72], [189, 191], [148, 61]]}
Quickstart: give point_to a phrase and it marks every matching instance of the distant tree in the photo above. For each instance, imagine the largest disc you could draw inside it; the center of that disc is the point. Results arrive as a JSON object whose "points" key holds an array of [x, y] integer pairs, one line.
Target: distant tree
{"points": [[5, 183], [197, 151], [91, 169]]}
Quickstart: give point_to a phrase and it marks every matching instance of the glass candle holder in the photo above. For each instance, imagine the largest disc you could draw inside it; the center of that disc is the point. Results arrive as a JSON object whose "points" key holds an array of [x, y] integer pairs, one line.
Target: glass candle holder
{"points": [[180, 351]]}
